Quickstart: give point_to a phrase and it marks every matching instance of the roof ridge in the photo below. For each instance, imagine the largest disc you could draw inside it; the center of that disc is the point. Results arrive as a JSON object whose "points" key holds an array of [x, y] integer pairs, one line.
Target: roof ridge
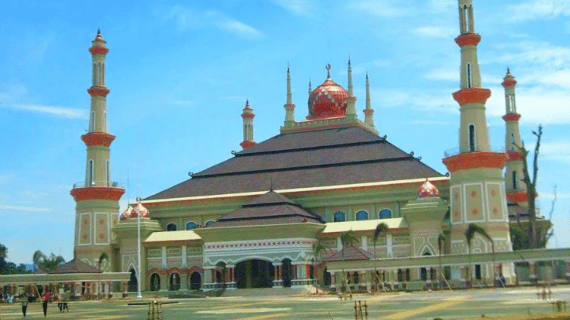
{"points": [[326, 165]]}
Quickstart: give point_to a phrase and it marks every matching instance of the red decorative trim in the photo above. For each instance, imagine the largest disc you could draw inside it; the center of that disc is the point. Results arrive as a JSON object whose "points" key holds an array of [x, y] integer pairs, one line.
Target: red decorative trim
{"points": [[98, 91], [195, 269], [177, 270], [97, 193], [511, 117], [98, 50], [368, 111], [289, 106], [350, 99], [247, 144], [247, 115], [97, 139], [521, 196], [473, 160], [514, 155], [472, 95], [509, 83], [468, 39]]}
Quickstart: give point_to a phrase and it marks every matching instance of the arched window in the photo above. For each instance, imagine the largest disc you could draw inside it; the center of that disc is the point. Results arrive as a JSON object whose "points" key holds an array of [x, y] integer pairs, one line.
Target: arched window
{"points": [[512, 142], [108, 174], [209, 223], [362, 215], [190, 225], [466, 18], [469, 82], [385, 214], [515, 180], [471, 137], [154, 282], [90, 178], [92, 122], [339, 217], [171, 227], [174, 282]]}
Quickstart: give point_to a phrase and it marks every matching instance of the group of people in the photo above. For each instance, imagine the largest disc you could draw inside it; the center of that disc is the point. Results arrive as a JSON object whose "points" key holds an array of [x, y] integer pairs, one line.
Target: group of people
{"points": [[45, 300]]}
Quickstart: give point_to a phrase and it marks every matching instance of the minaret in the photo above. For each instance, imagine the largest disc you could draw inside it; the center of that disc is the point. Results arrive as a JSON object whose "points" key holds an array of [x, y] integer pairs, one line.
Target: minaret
{"points": [[368, 112], [247, 117], [289, 106], [97, 198], [476, 185], [351, 99], [516, 189]]}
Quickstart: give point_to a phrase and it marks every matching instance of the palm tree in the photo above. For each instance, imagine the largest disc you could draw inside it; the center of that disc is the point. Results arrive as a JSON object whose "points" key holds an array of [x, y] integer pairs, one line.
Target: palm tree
{"points": [[347, 239], [440, 242], [45, 263], [319, 248], [381, 228], [472, 229]]}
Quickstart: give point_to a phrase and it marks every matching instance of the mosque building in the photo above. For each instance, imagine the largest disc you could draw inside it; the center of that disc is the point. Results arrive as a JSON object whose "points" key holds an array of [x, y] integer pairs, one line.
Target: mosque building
{"points": [[273, 215]]}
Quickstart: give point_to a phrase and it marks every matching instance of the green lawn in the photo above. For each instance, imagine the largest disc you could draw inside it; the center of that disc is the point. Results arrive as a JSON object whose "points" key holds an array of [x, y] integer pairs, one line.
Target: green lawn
{"points": [[427, 305]]}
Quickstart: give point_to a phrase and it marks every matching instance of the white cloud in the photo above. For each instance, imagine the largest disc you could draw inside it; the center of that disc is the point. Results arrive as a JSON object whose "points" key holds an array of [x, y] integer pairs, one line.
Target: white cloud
{"points": [[435, 32], [423, 100], [235, 27], [443, 74], [380, 8], [67, 113], [442, 5], [539, 9], [186, 18], [22, 208], [299, 7]]}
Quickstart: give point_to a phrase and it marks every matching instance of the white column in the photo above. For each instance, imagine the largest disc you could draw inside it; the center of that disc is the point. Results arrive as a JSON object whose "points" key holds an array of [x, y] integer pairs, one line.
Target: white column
{"points": [[364, 242], [338, 244], [389, 246], [163, 257], [184, 257]]}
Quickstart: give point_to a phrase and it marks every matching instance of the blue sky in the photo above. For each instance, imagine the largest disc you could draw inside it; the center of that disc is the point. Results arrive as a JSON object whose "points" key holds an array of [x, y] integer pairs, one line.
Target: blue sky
{"points": [[179, 75]]}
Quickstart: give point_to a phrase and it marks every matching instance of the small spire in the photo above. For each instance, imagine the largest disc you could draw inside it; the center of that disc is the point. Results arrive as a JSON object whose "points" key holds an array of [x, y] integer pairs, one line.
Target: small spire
{"points": [[98, 31], [350, 90], [368, 112], [328, 71], [368, 106], [246, 102], [310, 89], [289, 94]]}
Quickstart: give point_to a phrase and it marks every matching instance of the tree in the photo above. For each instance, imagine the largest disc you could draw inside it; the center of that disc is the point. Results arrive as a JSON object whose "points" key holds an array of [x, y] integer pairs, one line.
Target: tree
{"points": [[319, 248], [440, 243], [531, 187], [347, 239], [472, 229], [45, 263], [381, 228], [3, 255]]}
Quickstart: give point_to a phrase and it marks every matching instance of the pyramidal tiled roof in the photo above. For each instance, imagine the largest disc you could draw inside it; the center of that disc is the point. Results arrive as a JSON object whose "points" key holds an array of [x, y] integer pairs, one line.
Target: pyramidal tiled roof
{"points": [[269, 208], [315, 158], [75, 266], [351, 253]]}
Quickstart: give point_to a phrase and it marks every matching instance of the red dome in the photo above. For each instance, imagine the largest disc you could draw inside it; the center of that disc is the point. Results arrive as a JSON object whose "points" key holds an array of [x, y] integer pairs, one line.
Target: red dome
{"points": [[428, 190], [327, 100], [127, 213], [131, 212]]}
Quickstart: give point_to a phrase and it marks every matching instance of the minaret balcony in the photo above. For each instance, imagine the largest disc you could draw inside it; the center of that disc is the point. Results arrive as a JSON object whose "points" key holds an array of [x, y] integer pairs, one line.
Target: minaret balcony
{"points": [[457, 150], [98, 190], [494, 158], [97, 139]]}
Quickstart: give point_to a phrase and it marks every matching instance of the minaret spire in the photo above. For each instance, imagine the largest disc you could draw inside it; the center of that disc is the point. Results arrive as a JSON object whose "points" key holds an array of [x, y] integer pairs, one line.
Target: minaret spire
{"points": [[368, 112], [476, 191], [247, 117], [351, 99], [94, 218], [516, 189], [289, 106]]}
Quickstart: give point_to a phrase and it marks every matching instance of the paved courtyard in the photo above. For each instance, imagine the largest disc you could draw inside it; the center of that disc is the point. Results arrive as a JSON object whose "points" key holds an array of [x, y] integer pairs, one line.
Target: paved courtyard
{"points": [[425, 305]]}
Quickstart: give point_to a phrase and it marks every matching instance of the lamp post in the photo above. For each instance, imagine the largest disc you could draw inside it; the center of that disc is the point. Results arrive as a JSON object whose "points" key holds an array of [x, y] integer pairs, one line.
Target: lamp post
{"points": [[139, 295]]}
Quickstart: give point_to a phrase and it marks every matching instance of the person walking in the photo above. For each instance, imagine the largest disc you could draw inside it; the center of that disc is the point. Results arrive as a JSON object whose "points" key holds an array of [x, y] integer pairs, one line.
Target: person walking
{"points": [[25, 305], [47, 295]]}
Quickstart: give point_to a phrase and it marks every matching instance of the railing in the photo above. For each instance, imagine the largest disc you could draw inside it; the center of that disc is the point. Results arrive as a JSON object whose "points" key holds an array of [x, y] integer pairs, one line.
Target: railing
{"points": [[110, 184], [456, 150]]}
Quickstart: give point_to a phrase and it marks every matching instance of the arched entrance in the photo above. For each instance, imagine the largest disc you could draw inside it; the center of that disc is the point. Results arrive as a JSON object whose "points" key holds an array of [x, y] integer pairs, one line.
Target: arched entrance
{"points": [[133, 281], [254, 273], [174, 282], [195, 281], [154, 282], [287, 272], [327, 277]]}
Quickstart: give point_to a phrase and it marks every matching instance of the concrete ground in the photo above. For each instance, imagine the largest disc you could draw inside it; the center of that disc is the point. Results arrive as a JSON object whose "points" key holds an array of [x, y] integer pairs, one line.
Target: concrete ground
{"points": [[517, 302]]}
